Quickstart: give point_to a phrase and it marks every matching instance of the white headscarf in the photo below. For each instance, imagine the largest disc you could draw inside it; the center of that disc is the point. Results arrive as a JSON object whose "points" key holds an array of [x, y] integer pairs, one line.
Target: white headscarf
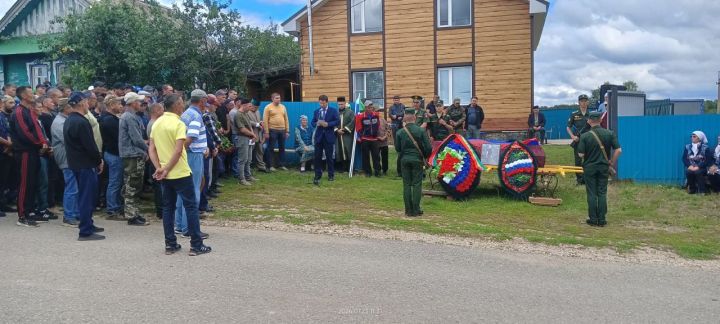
{"points": [[701, 136], [695, 147], [717, 152]]}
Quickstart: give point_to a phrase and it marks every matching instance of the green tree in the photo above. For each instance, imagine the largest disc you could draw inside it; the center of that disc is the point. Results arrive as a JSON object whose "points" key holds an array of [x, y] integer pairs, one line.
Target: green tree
{"points": [[631, 86], [711, 107]]}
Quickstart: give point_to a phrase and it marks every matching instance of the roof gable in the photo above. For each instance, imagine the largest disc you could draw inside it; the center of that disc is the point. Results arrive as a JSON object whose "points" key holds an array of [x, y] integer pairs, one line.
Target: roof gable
{"points": [[34, 17]]}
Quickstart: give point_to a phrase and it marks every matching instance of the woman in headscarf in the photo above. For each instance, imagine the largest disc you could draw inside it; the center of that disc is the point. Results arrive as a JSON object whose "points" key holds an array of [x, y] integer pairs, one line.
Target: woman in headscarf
{"points": [[714, 169], [697, 158], [304, 142]]}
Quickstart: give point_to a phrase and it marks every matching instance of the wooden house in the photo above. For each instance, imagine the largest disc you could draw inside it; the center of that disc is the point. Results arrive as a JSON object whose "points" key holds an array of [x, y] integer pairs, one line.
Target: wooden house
{"points": [[21, 60], [454, 48]]}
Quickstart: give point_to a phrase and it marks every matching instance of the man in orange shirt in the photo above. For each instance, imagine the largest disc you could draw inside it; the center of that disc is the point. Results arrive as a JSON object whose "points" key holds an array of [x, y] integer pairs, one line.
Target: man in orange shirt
{"points": [[277, 129]]}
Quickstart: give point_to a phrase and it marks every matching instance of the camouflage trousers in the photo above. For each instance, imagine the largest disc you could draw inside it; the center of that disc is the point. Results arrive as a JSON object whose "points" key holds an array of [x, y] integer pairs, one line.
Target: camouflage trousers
{"points": [[134, 169]]}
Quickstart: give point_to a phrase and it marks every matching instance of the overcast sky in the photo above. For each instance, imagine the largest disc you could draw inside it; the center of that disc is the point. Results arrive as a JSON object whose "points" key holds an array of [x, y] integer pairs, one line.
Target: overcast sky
{"points": [[671, 48]]}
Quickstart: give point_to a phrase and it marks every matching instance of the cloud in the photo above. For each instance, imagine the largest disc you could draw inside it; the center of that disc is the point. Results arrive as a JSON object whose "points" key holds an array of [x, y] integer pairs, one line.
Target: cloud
{"points": [[669, 47]]}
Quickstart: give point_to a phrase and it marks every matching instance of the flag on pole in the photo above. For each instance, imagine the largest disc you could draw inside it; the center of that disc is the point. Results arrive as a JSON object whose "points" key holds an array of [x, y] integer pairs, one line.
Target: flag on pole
{"points": [[359, 106]]}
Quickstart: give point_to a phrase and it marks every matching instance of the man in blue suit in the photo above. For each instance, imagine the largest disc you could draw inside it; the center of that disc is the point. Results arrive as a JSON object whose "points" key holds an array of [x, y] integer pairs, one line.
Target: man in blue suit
{"points": [[325, 121]]}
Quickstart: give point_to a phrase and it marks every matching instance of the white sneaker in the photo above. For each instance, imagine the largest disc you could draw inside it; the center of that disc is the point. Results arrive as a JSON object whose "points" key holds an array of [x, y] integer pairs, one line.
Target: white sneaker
{"points": [[302, 169], [245, 183]]}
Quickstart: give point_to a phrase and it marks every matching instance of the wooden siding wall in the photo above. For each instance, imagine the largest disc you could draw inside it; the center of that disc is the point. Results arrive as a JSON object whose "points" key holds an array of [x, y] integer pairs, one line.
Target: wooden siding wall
{"points": [[503, 62], [367, 51], [454, 46], [502, 54], [38, 21], [409, 59], [330, 53]]}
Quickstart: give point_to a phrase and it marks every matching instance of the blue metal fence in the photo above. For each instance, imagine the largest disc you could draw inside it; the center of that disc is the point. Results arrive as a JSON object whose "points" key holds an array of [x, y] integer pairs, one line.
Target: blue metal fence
{"points": [[294, 111], [653, 145], [555, 123]]}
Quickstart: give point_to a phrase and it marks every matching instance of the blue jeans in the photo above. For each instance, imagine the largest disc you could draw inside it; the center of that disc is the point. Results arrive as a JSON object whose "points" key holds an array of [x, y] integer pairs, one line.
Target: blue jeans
{"points": [[41, 200], [276, 136], [234, 159], [115, 182], [87, 181], [70, 196], [195, 160], [183, 189]]}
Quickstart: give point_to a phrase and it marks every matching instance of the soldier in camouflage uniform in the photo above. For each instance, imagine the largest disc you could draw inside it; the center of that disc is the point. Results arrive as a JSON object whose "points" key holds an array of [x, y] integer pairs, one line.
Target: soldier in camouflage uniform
{"points": [[576, 126], [457, 116]]}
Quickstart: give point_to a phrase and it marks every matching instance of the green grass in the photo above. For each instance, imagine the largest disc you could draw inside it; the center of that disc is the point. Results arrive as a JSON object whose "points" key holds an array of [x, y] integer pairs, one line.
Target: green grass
{"points": [[639, 215]]}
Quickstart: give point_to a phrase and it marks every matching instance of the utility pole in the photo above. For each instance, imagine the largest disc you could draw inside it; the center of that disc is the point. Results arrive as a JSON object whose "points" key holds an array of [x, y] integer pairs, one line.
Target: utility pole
{"points": [[310, 37], [717, 103]]}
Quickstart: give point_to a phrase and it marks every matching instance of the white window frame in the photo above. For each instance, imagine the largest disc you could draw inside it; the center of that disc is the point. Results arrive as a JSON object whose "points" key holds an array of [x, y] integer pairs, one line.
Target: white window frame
{"points": [[31, 76], [361, 7], [450, 22], [450, 69], [364, 87]]}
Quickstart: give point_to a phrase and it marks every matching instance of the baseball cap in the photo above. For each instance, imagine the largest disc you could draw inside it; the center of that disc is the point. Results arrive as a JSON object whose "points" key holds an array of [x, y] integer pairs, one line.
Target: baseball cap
{"points": [[131, 97], [368, 102], [198, 93], [144, 93], [76, 97]]}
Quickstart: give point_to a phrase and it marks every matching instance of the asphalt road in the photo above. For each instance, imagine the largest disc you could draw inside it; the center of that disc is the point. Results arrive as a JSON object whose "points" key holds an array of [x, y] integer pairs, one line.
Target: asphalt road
{"points": [[46, 276]]}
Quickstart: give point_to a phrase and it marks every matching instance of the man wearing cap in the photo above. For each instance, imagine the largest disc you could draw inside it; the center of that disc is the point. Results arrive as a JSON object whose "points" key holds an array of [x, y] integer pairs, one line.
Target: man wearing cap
{"points": [[197, 150], [133, 152], [27, 144], [456, 114], [439, 123], [110, 130], [536, 124], [344, 135], [71, 214], [168, 155], [325, 120], [576, 126], [367, 126], [413, 146], [594, 148], [474, 118], [85, 161]]}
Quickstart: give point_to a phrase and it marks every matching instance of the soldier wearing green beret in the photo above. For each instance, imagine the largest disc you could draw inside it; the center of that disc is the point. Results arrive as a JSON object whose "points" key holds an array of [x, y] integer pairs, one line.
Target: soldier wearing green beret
{"points": [[594, 147], [413, 147], [576, 126]]}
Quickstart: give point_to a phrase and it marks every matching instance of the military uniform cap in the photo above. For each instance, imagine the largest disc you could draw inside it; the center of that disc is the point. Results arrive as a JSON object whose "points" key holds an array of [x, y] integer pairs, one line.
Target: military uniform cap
{"points": [[595, 115], [583, 97], [418, 98], [409, 111]]}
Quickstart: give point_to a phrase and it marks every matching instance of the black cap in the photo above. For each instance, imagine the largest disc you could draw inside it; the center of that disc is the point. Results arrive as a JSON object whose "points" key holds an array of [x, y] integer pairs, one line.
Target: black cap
{"points": [[583, 97], [244, 101], [341, 99], [396, 97]]}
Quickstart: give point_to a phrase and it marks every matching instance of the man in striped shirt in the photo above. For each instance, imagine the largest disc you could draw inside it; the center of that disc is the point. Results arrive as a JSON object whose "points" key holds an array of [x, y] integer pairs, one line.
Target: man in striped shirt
{"points": [[197, 151]]}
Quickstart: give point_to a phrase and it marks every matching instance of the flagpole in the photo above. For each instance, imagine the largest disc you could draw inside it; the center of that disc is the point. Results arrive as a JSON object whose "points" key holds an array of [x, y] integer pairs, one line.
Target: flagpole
{"points": [[352, 153]]}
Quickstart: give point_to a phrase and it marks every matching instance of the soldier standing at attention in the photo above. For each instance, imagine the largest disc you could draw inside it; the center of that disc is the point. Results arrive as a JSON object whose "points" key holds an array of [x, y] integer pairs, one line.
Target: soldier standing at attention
{"points": [[345, 135], [413, 146], [594, 148], [422, 114], [576, 126], [457, 116]]}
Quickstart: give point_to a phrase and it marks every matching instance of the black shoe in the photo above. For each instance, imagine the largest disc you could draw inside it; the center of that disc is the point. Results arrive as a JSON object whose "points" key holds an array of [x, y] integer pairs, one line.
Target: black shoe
{"points": [[202, 249], [331, 178], [212, 194], [49, 214], [591, 222], [91, 237], [8, 209], [158, 215], [316, 182], [170, 249], [27, 222], [137, 221], [98, 229], [2, 213], [203, 236], [209, 209], [40, 218]]}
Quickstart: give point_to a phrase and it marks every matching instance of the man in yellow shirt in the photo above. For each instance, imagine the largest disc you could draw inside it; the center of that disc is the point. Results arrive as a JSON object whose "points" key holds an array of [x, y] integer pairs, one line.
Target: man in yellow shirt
{"points": [[167, 153], [277, 129]]}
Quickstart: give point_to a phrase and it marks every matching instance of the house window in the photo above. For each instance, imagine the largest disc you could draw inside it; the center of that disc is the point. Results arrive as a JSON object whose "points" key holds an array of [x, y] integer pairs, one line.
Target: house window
{"points": [[60, 71], [38, 74], [453, 13], [369, 85], [366, 16], [455, 82]]}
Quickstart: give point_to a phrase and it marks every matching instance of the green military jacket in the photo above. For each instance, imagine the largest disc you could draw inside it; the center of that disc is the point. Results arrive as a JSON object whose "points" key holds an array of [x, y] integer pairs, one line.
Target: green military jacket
{"points": [[439, 132], [578, 122], [405, 147], [457, 114], [593, 157], [343, 144], [421, 119]]}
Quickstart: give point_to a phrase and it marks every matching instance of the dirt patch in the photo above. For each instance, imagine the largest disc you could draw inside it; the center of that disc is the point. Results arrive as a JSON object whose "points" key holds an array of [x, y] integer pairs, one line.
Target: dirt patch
{"points": [[643, 255]]}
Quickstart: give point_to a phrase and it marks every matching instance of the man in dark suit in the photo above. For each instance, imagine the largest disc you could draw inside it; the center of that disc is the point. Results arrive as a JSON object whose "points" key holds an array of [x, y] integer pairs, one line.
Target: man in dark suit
{"points": [[325, 120]]}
